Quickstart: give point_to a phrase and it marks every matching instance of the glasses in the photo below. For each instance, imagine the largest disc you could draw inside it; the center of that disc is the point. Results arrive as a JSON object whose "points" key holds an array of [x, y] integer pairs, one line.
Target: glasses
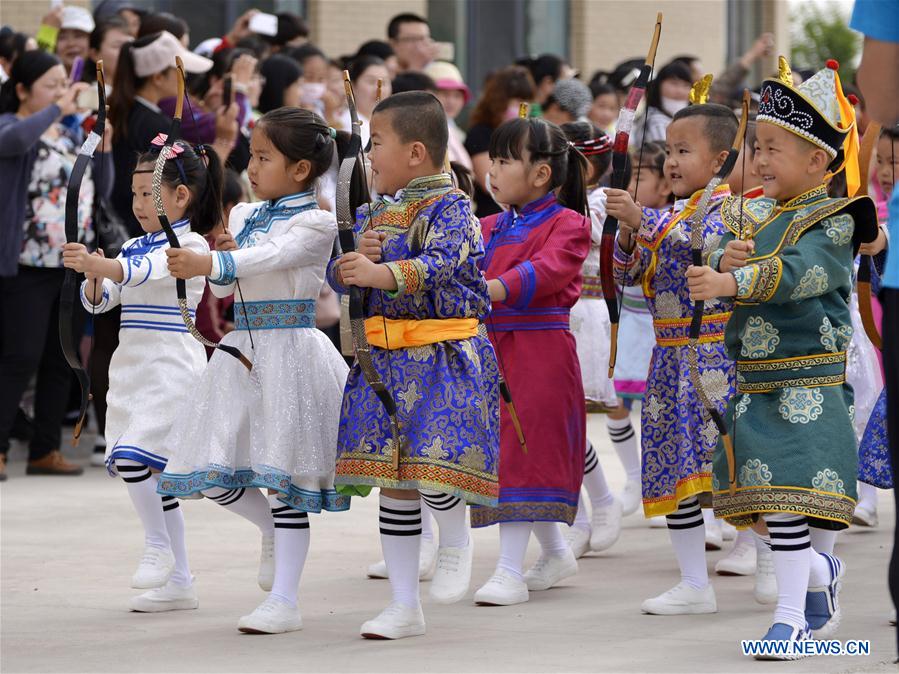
{"points": [[415, 39]]}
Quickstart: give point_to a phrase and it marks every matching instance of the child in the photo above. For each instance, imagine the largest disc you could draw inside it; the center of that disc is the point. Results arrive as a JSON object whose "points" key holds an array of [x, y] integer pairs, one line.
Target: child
{"points": [[636, 337], [426, 301], [592, 332], [274, 428], [678, 437], [535, 252], [146, 390], [795, 459]]}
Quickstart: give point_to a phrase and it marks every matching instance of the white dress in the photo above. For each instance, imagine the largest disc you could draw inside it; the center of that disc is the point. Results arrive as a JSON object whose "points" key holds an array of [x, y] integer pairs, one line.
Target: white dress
{"points": [[157, 361], [589, 320], [862, 371], [274, 427]]}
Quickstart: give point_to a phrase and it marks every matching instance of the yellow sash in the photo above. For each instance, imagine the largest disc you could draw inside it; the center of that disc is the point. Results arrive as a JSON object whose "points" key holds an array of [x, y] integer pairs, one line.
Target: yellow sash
{"points": [[404, 332]]}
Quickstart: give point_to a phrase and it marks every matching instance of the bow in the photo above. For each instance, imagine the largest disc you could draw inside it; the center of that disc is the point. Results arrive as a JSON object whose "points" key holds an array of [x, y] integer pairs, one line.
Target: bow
{"points": [[165, 153], [70, 283], [696, 240], [346, 220], [863, 280], [619, 168]]}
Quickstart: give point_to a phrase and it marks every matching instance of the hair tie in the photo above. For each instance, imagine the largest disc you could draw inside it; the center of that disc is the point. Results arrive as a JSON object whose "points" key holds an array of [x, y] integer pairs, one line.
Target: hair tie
{"points": [[332, 132]]}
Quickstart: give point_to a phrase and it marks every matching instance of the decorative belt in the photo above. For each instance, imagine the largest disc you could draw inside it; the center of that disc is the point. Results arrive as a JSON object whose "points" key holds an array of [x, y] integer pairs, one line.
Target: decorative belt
{"points": [[676, 331], [591, 288], [762, 376], [537, 318], [403, 333], [269, 315]]}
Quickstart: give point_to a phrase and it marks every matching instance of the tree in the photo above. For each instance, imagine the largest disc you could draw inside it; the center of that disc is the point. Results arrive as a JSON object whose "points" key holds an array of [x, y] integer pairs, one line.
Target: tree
{"points": [[821, 32]]}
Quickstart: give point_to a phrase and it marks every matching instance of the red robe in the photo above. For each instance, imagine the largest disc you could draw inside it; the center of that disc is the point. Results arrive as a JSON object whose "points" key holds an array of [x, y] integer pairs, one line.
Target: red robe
{"points": [[538, 253]]}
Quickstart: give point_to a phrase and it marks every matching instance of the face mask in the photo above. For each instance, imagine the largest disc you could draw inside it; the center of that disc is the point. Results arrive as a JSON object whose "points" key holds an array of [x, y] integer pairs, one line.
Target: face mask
{"points": [[672, 107], [312, 92]]}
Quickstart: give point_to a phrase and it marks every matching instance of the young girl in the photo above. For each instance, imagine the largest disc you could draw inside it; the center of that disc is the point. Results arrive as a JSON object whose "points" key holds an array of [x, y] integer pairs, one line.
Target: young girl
{"points": [[535, 252], [636, 337], [592, 332], [276, 427], [667, 94], [157, 360]]}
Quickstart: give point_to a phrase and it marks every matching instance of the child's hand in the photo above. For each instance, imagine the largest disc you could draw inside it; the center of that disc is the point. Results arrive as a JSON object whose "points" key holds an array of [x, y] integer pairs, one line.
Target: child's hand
{"points": [[186, 264], [76, 257], [705, 283], [370, 245], [736, 253], [876, 246], [95, 275], [225, 242], [621, 205], [357, 270]]}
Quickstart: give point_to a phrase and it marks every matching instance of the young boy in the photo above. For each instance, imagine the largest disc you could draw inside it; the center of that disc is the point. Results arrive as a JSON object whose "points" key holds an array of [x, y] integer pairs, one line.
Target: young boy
{"points": [[787, 261], [426, 302], [678, 438]]}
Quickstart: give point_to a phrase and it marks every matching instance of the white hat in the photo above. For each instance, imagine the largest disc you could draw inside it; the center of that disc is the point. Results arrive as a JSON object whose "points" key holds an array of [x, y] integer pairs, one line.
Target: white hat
{"points": [[207, 47], [160, 54], [77, 18]]}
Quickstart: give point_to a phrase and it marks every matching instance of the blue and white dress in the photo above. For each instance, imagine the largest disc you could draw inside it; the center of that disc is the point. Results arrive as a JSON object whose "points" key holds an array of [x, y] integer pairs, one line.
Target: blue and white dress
{"points": [[157, 361], [274, 427]]}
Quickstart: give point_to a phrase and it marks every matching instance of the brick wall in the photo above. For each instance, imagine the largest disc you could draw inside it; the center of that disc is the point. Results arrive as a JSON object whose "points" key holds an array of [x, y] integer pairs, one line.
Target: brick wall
{"points": [[338, 27], [26, 15]]}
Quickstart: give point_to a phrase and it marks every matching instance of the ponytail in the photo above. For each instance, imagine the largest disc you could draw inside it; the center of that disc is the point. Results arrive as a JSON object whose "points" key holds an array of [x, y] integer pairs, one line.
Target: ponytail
{"points": [[463, 178], [573, 192]]}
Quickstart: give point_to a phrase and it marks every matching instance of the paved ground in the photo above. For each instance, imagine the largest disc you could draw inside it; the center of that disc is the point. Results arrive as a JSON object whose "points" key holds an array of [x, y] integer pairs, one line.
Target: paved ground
{"points": [[69, 547]]}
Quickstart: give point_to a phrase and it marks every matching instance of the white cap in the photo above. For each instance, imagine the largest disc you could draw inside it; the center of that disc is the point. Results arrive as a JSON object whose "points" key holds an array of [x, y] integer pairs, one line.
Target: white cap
{"points": [[160, 54], [207, 47], [77, 18]]}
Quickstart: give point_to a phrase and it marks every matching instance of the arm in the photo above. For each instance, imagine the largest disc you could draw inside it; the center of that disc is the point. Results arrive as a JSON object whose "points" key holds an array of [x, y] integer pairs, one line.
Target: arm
{"points": [[553, 267], [878, 71], [19, 136], [138, 269], [110, 295]]}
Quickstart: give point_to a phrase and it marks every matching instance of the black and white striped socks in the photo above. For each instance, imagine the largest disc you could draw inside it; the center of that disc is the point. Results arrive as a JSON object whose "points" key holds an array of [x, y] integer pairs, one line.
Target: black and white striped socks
{"points": [[169, 503], [249, 503], [595, 480], [687, 516], [791, 545], [400, 524], [451, 515], [687, 532], [141, 486], [788, 532], [624, 440], [291, 548], [174, 524]]}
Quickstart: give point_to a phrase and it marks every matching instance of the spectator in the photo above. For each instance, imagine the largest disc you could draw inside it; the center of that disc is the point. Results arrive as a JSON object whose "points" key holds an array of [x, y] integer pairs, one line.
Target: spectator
{"points": [[604, 109], [314, 84], [339, 115], [623, 76], [365, 73], [727, 87], [163, 21], [570, 101], [503, 92], [12, 45], [546, 69], [73, 38], [106, 42], [410, 37], [697, 70], [383, 51], [36, 159], [292, 32], [131, 12], [665, 95], [454, 95], [282, 81], [412, 81]]}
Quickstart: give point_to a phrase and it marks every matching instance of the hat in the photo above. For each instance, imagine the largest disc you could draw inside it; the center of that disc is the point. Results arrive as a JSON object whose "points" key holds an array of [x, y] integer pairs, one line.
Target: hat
{"points": [[447, 76], [573, 96], [207, 47], [109, 8], [160, 54], [77, 18]]}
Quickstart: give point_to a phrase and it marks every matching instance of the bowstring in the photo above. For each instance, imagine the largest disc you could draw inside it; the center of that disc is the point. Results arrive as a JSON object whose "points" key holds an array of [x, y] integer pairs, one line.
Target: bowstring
{"points": [[101, 178], [741, 234]]}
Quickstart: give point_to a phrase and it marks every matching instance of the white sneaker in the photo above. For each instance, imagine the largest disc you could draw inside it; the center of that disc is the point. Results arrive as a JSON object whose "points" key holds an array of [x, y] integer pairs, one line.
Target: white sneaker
{"points": [[154, 569], [682, 599], [453, 574], [549, 570], [169, 597], [605, 526], [503, 589], [740, 561], [427, 558], [395, 622], [631, 497], [658, 522], [427, 562], [864, 516], [714, 537], [266, 575], [272, 616], [728, 531], [765, 580], [578, 540]]}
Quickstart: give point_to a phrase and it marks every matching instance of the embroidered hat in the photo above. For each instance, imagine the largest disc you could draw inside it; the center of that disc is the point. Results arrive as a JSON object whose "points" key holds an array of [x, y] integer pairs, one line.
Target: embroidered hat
{"points": [[160, 54], [447, 76], [76, 18]]}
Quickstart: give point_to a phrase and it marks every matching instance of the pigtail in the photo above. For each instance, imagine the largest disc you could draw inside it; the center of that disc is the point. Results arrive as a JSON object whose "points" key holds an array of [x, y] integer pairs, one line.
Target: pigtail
{"points": [[463, 178], [573, 191], [206, 205]]}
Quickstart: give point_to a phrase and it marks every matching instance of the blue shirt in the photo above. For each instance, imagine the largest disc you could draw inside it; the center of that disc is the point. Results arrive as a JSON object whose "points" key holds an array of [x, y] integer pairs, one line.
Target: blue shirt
{"points": [[879, 20]]}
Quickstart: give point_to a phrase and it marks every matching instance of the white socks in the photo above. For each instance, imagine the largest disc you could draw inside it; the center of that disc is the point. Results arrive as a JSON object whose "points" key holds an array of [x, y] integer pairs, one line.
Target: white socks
{"points": [[867, 497], [687, 532], [451, 515], [174, 524], [400, 524], [595, 480], [427, 523], [582, 518], [141, 486], [624, 440], [791, 547], [513, 546], [249, 503], [291, 546], [550, 536], [823, 540]]}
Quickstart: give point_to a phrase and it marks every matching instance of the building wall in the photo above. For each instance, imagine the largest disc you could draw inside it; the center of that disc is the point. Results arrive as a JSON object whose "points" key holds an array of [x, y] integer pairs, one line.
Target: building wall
{"points": [[26, 15], [338, 27]]}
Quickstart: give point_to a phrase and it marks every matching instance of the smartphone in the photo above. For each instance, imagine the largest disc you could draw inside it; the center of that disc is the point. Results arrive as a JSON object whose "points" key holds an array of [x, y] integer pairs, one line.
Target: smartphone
{"points": [[264, 24], [226, 91], [77, 70], [88, 99]]}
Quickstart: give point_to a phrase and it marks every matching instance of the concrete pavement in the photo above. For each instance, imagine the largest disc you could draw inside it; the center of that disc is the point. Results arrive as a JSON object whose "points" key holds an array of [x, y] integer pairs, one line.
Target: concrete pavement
{"points": [[68, 547]]}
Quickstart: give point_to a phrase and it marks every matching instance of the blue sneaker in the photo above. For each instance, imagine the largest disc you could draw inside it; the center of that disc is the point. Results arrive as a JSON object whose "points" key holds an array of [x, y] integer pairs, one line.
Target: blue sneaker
{"points": [[822, 606], [787, 633]]}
